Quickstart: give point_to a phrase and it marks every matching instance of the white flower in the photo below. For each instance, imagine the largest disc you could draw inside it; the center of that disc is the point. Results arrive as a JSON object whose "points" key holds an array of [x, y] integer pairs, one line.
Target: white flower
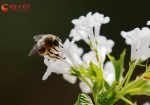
{"points": [[146, 103], [70, 79], [84, 30], [71, 53], [140, 43], [90, 56], [124, 35], [83, 86], [109, 72], [148, 22], [53, 67], [97, 20], [84, 27], [76, 53], [67, 53], [77, 35], [104, 47]]}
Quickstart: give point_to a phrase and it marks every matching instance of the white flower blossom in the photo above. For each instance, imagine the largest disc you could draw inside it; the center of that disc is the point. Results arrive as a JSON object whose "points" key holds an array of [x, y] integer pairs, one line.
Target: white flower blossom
{"points": [[97, 20], [109, 72], [70, 79], [104, 47], [84, 30], [53, 67], [146, 103], [84, 27], [84, 87], [72, 54], [148, 22], [140, 43], [90, 56]]}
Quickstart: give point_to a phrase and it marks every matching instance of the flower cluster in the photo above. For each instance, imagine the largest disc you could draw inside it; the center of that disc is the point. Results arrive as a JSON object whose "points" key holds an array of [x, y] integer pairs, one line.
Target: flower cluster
{"points": [[140, 43], [104, 80], [84, 30]]}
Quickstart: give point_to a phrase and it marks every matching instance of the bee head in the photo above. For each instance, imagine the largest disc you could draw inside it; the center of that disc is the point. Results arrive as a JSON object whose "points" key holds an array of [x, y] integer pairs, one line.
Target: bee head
{"points": [[56, 41]]}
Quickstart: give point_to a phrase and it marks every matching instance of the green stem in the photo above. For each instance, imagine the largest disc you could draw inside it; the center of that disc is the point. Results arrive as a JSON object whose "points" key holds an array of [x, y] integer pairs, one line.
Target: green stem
{"points": [[135, 90], [98, 60], [101, 68], [133, 84], [127, 76], [95, 98], [130, 73], [83, 79], [94, 95], [129, 88], [126, 100], [100, 65]]}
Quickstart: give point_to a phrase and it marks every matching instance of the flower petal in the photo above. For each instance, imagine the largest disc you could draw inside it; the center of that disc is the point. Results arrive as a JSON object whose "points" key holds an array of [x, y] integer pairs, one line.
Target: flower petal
{"points": [[148, 22], [70, 79]]}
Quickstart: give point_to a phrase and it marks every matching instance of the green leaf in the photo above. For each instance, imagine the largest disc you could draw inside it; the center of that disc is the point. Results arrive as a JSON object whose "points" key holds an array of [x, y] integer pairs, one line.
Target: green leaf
{"points": [[118, 64], [93, 70], [96, 75], [75, 71], [107, 86], [83, 99], [83, 70], [107, 97]]}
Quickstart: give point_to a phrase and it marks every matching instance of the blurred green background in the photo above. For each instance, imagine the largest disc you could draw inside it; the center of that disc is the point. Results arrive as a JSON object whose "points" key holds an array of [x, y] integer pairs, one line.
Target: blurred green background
{"points": [[21, 76]]}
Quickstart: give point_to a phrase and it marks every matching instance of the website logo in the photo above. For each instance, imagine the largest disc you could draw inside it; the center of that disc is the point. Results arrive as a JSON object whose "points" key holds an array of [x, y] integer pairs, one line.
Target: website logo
{"points": [[15, 7]]}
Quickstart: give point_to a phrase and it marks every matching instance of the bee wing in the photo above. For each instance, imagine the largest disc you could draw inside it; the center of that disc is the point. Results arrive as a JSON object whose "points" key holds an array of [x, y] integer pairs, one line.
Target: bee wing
{"points": [[34, 50], [38, 37]]}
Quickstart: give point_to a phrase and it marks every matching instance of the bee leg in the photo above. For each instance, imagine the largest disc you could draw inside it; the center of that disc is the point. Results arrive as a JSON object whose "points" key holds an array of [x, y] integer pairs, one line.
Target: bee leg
{"points": [[57, 55], [53, 57], [54, 53], [55, 49], [60, 46]]}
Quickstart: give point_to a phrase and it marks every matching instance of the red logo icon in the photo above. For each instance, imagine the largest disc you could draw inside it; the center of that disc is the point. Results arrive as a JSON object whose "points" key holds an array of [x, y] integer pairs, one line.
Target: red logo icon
{"points": [[5, 7], [15, 7]]}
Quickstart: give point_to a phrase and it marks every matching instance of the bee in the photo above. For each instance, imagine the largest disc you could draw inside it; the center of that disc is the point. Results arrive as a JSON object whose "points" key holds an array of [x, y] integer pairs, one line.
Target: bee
{"points": [[47, 45]]}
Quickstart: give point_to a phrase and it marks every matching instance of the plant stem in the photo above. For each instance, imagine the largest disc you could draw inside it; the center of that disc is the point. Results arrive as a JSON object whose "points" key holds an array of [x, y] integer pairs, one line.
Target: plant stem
{"points": [[127, 76], [131, 88], [98, 60], [126, 100], [95, 98], [133, 84], [83, 79], [135, 90], [130, 73]]}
